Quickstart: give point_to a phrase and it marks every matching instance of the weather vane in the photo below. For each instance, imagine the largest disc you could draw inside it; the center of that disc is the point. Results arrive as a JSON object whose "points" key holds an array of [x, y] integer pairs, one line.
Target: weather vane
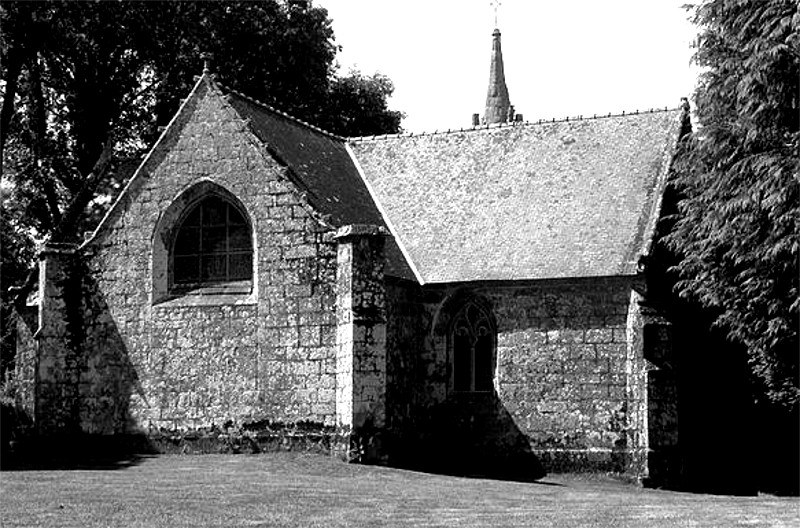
{"points": [[496, 5]]}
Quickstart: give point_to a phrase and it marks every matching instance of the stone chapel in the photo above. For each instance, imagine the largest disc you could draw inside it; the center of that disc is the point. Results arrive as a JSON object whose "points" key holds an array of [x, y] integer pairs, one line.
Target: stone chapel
{"points": [[470, 298]]}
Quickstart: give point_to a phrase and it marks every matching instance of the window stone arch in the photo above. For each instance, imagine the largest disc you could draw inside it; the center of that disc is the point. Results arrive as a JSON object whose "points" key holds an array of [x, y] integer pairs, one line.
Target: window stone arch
{"points": [[203, 245], [465, 324], [472, 340]]}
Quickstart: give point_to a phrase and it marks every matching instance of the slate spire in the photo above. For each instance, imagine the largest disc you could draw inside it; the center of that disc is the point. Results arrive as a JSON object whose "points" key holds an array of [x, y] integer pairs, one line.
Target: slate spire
{"points": [[497, 101]]}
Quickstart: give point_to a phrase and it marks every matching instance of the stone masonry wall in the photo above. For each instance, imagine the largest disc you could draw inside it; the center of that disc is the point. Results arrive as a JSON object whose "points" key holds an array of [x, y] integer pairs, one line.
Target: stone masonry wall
{"points": [[408, 377], [571, 386], [562, 370], [157, 363], [653, 398], [361, 340], [27, 323], [560, 373], [58, 364]]}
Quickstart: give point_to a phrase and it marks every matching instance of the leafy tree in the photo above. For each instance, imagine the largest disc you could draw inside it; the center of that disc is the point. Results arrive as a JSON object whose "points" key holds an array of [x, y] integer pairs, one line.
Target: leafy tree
{"points": [[737, 228], [358, 106], [281, 53], [86, 86], [80, 76]]}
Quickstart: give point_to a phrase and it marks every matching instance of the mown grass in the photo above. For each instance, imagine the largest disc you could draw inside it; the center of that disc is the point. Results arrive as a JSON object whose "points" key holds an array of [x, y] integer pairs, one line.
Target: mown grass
{"points": [[312, 490]]}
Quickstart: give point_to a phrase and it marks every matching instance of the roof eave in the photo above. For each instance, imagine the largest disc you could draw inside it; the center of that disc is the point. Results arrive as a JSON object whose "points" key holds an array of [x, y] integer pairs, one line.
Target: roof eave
{"points": [[523, 282]]}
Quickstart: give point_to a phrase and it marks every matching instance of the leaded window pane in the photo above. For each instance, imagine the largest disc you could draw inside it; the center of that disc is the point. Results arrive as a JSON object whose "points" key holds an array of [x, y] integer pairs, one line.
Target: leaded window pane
{"points": [[214, 240], [240, 266], [214, 268], [214, 212], [213, 245], [462, 361], [187, 269], [193, 218], [235, 217], [188, 241], [472, 338], [238, 237]]}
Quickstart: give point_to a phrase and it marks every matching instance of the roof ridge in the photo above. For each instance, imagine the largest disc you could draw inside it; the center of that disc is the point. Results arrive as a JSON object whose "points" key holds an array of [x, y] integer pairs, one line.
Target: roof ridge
{"points": [[281, 113], [511, 124]]}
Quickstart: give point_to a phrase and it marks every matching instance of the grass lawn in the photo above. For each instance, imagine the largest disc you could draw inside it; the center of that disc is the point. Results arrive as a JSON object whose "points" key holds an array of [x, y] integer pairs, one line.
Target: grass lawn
{"points": [[313, 490]]}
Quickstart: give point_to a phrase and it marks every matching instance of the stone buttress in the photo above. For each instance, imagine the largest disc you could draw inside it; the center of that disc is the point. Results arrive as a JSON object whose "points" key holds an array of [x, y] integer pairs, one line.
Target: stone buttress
{"points": [[57, 359], [361, 340], [652, 396]]}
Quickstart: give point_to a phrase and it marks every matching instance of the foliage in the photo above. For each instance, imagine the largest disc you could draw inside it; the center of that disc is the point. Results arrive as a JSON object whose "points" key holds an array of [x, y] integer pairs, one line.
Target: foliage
{"points": [[358, 106], [87, 86], [737, 223], [77, 74], [281, 53]]}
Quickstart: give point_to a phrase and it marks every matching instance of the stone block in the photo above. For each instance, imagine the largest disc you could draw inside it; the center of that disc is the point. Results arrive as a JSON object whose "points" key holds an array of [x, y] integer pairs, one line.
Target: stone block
{"points": [[310, 336], [611, 350], [582, 352], [599, 335], [565, 336]]}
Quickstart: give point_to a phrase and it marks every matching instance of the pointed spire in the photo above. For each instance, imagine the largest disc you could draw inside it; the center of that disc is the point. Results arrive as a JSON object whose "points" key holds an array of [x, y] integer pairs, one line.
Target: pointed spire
{"points": [[497, 101]]}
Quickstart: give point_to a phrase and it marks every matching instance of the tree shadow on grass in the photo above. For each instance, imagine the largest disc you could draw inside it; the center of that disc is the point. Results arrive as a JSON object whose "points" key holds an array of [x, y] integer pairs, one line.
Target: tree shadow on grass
{"points": [[82, 452], [517, 469], [499, 474]]}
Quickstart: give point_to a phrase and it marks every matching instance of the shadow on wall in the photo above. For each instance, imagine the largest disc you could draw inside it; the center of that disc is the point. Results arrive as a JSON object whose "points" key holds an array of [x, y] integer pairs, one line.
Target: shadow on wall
{"points": [[469, 433], [109, 378], [90, 425], [15, 427], [472, 435]]}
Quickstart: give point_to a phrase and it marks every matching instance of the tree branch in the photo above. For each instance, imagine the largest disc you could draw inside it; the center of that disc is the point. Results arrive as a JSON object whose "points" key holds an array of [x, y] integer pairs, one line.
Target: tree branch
{"points": [[38, 130], [18, 50], [14, 67], [19, 294], [65, 230]]}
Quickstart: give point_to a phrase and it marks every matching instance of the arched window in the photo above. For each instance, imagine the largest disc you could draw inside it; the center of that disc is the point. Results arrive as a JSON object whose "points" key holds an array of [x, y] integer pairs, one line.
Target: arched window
{"points": [[472, 337], [212, 248]]}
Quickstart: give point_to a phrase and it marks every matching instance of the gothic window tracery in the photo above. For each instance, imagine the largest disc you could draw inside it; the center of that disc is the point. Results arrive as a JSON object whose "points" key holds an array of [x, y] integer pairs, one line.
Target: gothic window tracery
{"points": [[473, 343], [212, 247]]}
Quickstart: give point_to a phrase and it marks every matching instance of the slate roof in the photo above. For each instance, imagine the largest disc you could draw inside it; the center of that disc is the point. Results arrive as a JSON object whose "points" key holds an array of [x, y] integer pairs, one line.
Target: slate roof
{"points": [[319, 161], [523, 201], [321, 167], [564, 199]]}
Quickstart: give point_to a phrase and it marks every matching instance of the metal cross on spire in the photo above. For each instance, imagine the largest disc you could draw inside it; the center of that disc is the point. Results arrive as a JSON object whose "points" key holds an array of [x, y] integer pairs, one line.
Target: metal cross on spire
{"points": [[496, 5]]}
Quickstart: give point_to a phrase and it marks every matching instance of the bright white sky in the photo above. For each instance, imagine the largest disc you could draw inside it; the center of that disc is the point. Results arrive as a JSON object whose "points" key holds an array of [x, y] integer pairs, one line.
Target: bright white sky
{"points": [[562, 57]]}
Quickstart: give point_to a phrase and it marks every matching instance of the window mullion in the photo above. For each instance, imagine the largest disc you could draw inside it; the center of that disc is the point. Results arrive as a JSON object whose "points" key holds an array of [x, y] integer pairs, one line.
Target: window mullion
{"points": [[227, 242], [215, 247], [200, 243], [472, 365], [473, 352]]}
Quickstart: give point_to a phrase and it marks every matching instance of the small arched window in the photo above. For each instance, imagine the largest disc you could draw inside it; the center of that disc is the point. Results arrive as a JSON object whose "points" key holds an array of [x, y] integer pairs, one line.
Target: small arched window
{"points": [[212, 248], [472, 336]]}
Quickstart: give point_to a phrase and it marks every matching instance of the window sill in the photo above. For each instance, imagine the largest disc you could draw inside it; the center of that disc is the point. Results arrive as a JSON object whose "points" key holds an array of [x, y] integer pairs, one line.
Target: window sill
{"points": [[238, 293], [472, 395]]}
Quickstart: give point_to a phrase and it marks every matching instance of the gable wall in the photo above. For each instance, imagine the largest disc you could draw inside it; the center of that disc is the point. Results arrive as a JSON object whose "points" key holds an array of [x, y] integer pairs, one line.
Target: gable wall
{"points": [[190, 363], [561, 389]]}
